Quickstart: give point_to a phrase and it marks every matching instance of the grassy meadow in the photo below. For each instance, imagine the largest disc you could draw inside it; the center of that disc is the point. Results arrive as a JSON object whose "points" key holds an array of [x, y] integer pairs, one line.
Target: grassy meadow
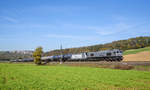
{"points": [[134, 51], [59, 77]]}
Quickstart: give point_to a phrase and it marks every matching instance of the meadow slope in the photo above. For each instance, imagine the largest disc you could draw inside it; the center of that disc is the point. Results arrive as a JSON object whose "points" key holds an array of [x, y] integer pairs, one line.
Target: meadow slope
{"points": [[134, 51], [32, 77], [142, 54]]}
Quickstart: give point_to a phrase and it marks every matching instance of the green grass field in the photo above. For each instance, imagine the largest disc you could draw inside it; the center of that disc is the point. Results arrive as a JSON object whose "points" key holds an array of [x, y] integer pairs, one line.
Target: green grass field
{"points": [[134, 51], [60, 77]]}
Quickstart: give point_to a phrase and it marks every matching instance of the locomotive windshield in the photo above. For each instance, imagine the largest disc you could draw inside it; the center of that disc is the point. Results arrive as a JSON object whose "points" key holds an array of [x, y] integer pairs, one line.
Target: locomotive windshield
{"points": [[120, 51], [92, 54], [108, 54]]}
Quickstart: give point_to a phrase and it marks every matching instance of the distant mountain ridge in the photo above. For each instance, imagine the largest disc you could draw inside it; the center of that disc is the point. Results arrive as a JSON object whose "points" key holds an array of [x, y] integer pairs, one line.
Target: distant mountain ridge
{"points": [[131, 43], [17, 54]]}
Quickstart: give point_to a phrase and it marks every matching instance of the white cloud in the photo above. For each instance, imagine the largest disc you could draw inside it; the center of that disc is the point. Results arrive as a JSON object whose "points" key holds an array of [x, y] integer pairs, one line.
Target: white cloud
{"points": [[119, 27], [60, 36], [10, 19], [90, 32], [101, 30], [29, 26], [45, 9], [73, 37]]}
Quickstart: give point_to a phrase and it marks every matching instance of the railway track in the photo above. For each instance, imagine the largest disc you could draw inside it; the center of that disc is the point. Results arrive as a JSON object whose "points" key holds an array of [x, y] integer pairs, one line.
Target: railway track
{"points": [[107, 63], [98, 62]]}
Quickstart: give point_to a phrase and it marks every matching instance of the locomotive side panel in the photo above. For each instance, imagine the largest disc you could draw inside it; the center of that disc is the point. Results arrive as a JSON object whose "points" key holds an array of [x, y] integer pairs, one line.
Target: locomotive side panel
{"points": [[80, 56], [107, 55]]}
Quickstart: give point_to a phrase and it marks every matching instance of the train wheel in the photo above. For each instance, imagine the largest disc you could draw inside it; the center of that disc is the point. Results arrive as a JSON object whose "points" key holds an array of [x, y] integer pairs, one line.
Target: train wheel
{"points": [[107, 59], [119, 59]]}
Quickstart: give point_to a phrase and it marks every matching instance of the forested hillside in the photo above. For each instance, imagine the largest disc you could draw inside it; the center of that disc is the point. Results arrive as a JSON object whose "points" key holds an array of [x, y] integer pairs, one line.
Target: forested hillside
{"points": [[131, 43]]}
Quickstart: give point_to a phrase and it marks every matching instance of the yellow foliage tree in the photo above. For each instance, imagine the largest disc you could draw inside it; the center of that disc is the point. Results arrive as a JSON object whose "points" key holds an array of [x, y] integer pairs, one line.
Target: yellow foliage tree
{"points": [[37, 55]]}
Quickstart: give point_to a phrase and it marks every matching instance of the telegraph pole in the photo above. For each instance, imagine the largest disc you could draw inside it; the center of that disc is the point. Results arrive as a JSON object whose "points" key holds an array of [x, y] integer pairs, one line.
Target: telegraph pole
{"points": [[61, 53]]}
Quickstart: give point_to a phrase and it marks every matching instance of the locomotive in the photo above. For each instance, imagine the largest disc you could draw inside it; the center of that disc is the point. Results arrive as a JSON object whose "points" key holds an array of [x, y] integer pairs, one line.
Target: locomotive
{"points": [[106, 55]]}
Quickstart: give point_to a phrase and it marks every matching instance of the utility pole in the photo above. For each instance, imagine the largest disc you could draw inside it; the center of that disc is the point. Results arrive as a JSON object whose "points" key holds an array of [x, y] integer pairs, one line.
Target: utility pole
{"points": [[61, 53]]}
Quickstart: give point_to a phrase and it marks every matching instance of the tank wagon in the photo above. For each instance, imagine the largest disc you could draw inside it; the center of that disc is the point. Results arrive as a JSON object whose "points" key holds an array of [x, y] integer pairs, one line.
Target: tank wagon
{"points": [[106, 55]]}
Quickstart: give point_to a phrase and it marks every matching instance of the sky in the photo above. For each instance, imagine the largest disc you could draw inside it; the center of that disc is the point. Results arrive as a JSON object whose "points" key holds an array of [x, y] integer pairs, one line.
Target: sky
{"points": [[27, 24]]}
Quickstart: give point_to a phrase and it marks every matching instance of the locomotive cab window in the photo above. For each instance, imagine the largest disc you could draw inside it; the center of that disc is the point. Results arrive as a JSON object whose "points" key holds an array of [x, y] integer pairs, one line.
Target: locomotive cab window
{"points": [[92, 54], [108, 54], [86, 53]]}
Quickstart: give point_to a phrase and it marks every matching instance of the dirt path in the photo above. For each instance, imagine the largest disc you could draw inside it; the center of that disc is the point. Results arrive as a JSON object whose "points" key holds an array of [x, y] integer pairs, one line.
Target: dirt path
{"points": [[142, 56]]}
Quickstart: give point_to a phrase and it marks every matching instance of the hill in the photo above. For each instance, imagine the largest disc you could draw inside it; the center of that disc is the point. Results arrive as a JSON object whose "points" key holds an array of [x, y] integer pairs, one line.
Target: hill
{"points": [[131, 43], [142, 54], [134, 51]]}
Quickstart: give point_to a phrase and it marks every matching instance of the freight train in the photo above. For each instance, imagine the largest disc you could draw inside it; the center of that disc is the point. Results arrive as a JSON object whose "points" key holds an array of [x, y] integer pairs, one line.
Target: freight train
{"points": [[106, 55]]}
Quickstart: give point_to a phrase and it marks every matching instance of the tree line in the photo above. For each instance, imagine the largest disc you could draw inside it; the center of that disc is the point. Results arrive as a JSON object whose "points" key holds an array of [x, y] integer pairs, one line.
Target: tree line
{"points": [[6, 55], [131, 43]]}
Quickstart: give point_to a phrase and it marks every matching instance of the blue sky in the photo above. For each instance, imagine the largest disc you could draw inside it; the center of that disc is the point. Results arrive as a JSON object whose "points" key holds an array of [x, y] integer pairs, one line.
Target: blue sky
{"points": [[26, 24]]}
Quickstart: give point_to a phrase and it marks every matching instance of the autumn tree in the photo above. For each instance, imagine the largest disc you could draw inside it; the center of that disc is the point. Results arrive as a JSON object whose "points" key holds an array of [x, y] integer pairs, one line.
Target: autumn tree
{"points": [[37, 55]]}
